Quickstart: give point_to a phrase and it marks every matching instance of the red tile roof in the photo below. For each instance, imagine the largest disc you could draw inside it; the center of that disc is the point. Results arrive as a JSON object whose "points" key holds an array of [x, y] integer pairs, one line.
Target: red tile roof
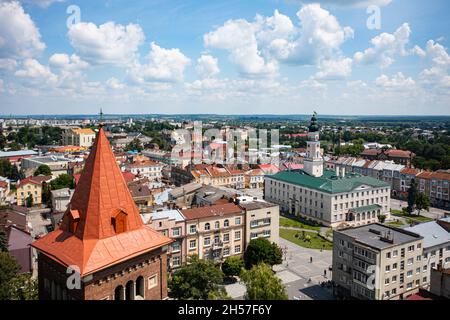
{"points": [[410, 171], [100, 194], [34, 180], [211, 211], [434, 175]]}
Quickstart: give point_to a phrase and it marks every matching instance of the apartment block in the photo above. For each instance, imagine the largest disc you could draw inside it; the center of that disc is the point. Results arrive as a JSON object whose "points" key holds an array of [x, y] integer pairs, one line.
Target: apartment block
{"points": [[376, 262]]}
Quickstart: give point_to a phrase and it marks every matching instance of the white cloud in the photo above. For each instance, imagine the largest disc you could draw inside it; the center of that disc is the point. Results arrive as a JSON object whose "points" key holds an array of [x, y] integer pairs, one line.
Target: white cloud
{"points": [[108, 43], [36, 73], [114, 83], [334, 69], [207, 66], [8, 64], [19, 36], [164, 65], [397, 82], [436, 76], [40, 3], [66, 62], [257, 47], [386, 47]]}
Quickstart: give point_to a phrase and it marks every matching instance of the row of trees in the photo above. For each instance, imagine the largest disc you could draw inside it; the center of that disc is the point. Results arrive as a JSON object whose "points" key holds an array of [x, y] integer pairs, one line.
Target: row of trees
{"points": [[202, 279], [416, 200]]}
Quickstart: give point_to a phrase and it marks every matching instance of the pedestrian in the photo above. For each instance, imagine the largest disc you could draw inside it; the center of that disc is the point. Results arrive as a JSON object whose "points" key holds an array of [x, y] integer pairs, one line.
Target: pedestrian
{"points": [[325, 273], [310, 259]]}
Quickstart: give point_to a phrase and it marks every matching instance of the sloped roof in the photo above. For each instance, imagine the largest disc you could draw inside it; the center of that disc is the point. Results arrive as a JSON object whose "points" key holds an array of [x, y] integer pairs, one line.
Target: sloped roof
{"points": [[433, 234], [99, 195], [211, 211], [328, 182]]}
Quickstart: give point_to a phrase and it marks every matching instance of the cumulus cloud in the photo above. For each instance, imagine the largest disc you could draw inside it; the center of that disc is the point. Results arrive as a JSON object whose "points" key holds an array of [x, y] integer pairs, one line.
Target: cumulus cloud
{"points": [[66, 62], [114, 83], [19, 37], [397, 82], [257, 47], [40, 3], [108, 43], [8, 64], [385, 47], [334, 69], [36, 73], [164, 65], [207, 66]]}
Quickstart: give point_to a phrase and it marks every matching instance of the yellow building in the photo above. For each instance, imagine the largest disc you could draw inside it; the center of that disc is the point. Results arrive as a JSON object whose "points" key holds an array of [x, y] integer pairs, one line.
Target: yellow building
{"points": [[30, 186], [79, 137], [215, 232]]}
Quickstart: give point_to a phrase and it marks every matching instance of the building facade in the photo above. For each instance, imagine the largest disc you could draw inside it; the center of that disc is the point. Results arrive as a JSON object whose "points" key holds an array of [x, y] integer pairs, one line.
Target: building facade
{"points": [[376, 262], [79, 137], [215, 232]]}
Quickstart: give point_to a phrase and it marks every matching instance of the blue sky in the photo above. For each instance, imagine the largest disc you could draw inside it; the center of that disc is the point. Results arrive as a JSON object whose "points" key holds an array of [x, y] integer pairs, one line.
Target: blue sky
{"points": [[228, 57]]}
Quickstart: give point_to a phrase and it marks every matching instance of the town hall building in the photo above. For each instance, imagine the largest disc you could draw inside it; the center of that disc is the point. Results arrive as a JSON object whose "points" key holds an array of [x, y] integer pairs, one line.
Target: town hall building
{"points": [[332, 198], [102, 241]]}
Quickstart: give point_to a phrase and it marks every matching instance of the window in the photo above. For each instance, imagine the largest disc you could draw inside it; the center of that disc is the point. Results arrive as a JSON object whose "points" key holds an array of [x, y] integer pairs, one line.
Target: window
{"points": [[176, 232], [237, 235], [206, 242], [192, 229], [176, 261], [152, 281], [237, 221], [388, 268], [226, 223], [409, 273], [388, 255], [217, 225], [386, 281], [394, 279], [409, 285], [237, 249], [207, 226], [395, 253], [226, 237], [192, 244], [226, 251], [394, 266], [175, 247], [411, 248], [410, 261]]}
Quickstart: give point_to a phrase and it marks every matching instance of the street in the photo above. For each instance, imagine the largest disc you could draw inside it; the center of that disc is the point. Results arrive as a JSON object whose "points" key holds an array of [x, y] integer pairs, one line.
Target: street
{"points": [[434, 213]]}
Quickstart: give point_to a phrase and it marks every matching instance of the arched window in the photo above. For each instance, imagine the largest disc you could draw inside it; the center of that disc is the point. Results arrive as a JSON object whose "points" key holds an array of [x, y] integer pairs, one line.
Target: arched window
{"points": [[226, 223], [129, 291], [140, 288], [207, 226], [118, 293], [217, 225]]}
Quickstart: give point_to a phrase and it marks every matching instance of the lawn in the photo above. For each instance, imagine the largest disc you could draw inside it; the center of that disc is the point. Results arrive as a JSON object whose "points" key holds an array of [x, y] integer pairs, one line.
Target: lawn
{"points": [[315, 242], [292, 223], [413, 217], [397, 224]]}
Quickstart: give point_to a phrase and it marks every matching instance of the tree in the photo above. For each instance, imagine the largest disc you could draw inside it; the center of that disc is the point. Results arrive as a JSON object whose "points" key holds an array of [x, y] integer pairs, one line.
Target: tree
{"points": [[43, 169], [29, 201], [262, 284], [134, 145], [9, 269], [381, 218], [232, 266], [23, 287], [3, 242], [422, 202], [198, 280], [412, 194], [62, 181], [261, 250]]}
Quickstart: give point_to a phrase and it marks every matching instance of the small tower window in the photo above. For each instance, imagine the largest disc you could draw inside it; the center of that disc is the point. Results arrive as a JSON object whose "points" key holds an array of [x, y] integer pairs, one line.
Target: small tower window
{"points": [[119, 221], [74, 220]]}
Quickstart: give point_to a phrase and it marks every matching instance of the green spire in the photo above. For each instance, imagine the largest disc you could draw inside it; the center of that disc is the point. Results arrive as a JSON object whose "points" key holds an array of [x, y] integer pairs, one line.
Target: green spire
{"points": [[314, 127]]}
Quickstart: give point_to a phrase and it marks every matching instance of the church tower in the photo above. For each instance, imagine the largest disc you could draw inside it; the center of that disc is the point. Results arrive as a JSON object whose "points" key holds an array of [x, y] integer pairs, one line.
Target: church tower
{"points": [[313, 163], [102, 250]]}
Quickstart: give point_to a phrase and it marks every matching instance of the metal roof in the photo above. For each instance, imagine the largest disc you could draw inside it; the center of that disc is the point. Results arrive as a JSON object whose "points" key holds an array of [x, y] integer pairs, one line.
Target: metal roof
{"points": [[432, 233]]}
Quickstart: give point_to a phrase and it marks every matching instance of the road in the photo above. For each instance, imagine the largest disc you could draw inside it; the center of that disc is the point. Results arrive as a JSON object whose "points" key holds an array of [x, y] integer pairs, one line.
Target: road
{"points": [[434, 213]]}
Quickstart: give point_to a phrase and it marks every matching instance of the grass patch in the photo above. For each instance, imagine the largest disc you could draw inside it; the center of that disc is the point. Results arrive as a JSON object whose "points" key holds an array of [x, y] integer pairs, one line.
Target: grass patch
{"points": [[292, 223], [397, 224], [413, 217], [315, 242]]}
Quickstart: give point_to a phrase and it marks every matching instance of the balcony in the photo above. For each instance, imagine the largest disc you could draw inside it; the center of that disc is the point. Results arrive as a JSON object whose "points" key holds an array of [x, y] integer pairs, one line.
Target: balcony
{"points": [[217, 245]]}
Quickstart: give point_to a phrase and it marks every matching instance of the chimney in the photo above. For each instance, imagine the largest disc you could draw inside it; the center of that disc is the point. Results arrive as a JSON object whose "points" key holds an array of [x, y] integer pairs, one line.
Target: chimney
{"points": [[343, 172], [337, 171]]}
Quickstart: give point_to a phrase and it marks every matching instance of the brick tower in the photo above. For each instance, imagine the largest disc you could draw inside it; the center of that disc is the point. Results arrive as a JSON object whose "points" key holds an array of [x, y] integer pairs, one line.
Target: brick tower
{"points": [[103, 238]]}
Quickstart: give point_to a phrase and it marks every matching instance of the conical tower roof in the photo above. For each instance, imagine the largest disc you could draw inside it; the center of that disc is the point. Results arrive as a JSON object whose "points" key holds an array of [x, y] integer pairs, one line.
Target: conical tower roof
{"points": [[102, 225]]}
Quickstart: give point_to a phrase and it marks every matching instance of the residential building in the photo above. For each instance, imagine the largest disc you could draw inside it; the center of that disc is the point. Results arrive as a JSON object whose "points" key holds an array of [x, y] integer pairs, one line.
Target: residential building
{"points": [[377, 262], [254, 179], [61, 199], [5, 188], [398, 156], [332, 198], [262, 219], [170, 223], [440, 282], [436, 247], [436, 185], [31, 186], [148, 169], [102, 234], [79, 137], [58, 165], [215, 232], [218, 175]]}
